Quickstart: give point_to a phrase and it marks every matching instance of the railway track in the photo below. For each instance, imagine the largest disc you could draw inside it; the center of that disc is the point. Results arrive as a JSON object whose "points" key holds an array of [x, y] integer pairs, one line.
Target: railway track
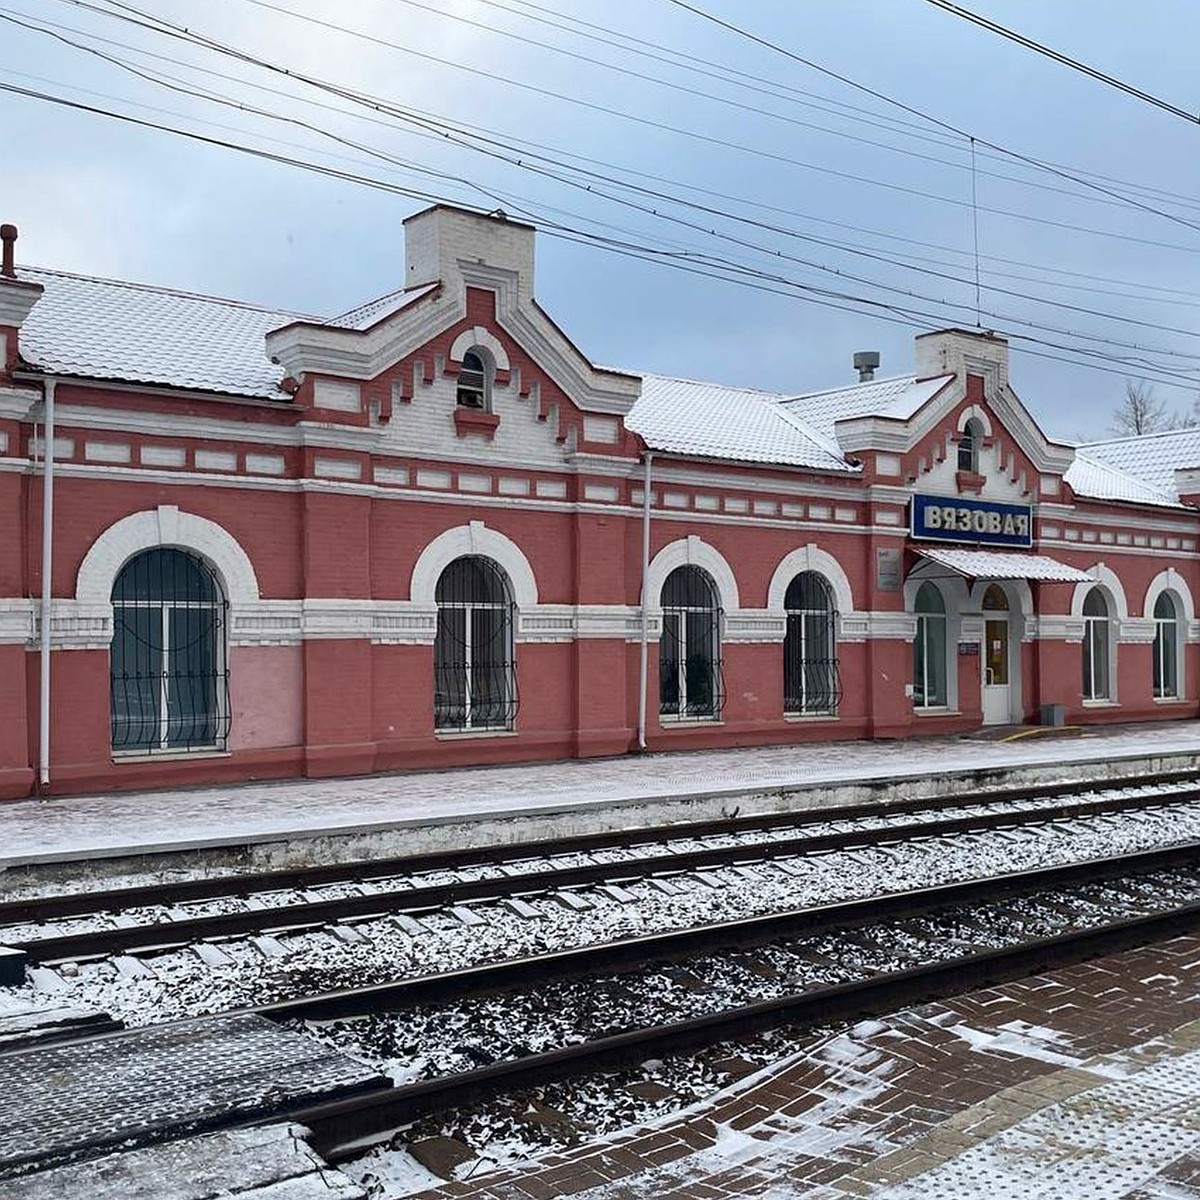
{"points": [[858, 957], [148, 921]]}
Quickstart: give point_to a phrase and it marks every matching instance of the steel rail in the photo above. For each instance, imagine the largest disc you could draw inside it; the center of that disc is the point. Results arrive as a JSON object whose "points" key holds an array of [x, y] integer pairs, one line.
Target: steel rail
{"points": [[38, 909], [747, 932], [340, 1128], [162, 936]]}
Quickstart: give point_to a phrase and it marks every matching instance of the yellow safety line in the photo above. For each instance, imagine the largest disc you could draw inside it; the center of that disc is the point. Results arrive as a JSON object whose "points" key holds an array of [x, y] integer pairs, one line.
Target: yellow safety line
{"points": [[1024, 733]]}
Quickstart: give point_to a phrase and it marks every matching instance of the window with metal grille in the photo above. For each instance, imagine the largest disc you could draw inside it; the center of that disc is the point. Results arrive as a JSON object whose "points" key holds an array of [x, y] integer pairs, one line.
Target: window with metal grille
{"points": [[1097, 647], [1166, 647], [168, 663], [811, 681], [690, 677], [929, 649], [473, 382], [474, 669]]}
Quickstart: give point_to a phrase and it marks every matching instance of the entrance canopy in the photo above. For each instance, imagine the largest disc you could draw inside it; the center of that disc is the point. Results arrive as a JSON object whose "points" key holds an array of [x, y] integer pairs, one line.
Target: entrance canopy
{"points": [[997, 564]]}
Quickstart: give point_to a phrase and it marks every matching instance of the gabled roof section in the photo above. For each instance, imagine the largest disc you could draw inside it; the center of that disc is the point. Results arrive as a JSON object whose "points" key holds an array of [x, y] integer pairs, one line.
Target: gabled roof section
{"points": [[1096, 480], [708, 420], [135, 333], [898, 399], [366, 315], [1151, 459]]}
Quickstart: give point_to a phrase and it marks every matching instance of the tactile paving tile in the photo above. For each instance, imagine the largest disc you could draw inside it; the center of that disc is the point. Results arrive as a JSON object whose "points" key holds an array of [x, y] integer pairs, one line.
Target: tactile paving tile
{"points": [[65, 1101]]}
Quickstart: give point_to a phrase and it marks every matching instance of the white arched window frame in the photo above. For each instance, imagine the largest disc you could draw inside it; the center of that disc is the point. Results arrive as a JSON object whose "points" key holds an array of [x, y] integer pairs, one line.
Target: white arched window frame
{"points": [[474, 660], [811, 678], [691, 683], [190, 690], [1168, 647], [969, 444], [930, 666], [1099, 646], [480, 354]]}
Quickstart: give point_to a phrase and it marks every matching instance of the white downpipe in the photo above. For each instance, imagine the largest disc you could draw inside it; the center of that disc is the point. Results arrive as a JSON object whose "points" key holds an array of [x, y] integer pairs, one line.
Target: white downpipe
{"points": [[47, 578], [643, 668]]}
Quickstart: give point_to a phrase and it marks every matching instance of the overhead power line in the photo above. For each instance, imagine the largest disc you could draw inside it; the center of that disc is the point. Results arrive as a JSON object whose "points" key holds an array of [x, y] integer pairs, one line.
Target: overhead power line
{"points": [[598, 183], [704, 265], [1065, 60], [966, 135]]}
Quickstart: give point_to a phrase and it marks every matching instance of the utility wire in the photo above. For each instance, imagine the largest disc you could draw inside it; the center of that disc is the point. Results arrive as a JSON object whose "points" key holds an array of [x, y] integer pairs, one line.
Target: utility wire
{"points": [[1029, 160], [1065, 60], [729, 272], [503, 153]]}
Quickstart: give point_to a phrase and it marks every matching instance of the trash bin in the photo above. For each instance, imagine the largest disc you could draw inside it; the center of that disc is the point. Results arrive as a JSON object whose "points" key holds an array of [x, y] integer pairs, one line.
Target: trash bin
{"points": [[1054, 714]]}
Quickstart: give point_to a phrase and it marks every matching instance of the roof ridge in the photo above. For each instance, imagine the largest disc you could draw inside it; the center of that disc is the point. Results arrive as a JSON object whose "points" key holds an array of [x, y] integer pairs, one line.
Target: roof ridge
{"points": [[1142, 437], [911, 377], [161, 290], [732, 387]]}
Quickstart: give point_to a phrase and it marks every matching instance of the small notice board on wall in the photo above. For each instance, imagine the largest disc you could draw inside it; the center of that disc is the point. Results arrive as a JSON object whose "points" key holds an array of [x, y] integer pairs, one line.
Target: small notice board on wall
{"points": [[887, 570]]}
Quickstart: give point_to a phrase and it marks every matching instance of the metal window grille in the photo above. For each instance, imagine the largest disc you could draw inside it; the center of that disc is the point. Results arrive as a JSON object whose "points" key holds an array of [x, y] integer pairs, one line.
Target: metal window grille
{"points": [[691, 673], [474, 668], [168, 667], [811, 678], [472, 381]]}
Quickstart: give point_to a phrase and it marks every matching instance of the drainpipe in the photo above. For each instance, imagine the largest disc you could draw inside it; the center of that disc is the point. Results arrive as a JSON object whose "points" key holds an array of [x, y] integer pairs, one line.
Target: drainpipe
{"points": [[47, 571], [645, 640]]}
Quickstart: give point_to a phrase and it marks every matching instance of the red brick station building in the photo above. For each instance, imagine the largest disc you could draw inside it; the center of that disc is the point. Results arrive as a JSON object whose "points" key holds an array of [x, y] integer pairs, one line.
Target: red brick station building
{"points": [[430, 532]]}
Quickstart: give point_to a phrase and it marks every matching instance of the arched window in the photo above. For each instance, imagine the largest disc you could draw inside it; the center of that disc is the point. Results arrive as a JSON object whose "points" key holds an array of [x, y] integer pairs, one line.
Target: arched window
{"points": [[168, 673], [1097, 644], [929, 649], [1166, 647], [474, 382], [969, 442], [810, 667], [475, 675], [689, 654]]}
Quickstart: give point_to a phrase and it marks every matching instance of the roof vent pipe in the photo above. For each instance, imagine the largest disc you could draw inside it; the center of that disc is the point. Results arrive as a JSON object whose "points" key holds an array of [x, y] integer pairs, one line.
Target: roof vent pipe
{"points": [[865, 363], [8, 235]]}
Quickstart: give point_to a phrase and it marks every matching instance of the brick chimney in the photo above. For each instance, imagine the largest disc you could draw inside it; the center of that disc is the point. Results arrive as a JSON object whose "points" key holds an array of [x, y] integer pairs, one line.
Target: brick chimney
{"points": [[17, 297]]}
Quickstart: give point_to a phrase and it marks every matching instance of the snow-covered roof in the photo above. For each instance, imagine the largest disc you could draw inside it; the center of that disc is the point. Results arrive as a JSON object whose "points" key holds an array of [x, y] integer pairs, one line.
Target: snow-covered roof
{"points": [[366, 315], [1151, 459], [898, 398], [708, 420], [136, 333], [1003, 564], [1097, 480]]}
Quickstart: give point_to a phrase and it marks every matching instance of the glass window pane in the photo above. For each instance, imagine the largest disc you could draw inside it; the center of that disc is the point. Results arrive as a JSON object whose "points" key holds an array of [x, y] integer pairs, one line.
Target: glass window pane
{"points": [[489, 666], [136, 678], [936, 650], [450, 669], [669, 651], [700, 683], [191, 677]]}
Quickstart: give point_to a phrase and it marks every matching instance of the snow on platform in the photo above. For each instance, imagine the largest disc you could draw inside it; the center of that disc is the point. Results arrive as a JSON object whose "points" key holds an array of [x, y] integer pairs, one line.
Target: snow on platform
{"points": [[270, 1162], [83, 1098], [125, 824], [1079, 1084]]}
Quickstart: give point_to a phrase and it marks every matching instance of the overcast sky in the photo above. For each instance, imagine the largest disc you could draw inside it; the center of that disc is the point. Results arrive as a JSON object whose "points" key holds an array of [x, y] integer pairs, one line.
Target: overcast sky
{"points": [[749, 163]]}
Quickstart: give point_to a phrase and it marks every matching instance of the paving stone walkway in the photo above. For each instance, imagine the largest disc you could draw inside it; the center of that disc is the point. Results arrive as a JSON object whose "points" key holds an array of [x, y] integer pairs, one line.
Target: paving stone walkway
{"points": [[1082, 1083], [131, 1088]]}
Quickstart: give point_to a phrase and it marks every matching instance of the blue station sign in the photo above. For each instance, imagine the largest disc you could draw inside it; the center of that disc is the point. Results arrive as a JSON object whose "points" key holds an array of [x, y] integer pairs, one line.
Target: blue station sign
{"points": [[983, 522]]}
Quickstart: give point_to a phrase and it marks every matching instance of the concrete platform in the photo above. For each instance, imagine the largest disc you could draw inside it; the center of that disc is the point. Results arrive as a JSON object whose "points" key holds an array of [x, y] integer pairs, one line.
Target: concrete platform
{"points": [[1082, 1083], [269, 1162], [272, 824], [82, 1098]]}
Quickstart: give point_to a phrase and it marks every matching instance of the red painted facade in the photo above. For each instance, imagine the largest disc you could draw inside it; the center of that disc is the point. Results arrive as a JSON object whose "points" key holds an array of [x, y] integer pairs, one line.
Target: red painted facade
{"points": [[328, 515]]}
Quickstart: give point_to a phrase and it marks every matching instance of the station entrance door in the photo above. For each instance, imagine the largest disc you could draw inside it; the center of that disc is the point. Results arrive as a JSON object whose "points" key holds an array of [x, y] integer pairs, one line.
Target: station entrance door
{"points": [[997, 691]]}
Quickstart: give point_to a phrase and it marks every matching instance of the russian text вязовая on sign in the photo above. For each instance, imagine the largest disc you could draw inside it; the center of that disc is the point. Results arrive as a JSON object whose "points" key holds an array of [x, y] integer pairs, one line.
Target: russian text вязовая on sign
{"points": [[984, 522]]}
